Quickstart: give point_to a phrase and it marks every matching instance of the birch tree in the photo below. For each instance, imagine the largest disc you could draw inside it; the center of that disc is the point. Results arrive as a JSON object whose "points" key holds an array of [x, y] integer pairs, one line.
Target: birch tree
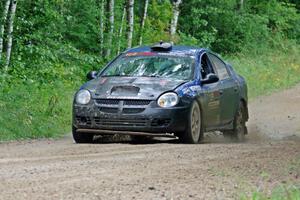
{"points": [[13, 8], [111, 6], [143, 21], [240, 5], [101, 26], [121, 29], [174, 22], [130, 18], [3, 21]]}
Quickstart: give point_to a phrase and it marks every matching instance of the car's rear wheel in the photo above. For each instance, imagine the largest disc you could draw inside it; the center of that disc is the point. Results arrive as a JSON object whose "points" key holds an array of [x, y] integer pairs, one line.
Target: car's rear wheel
{"points": [[239, 126], [82, 137], [194, 132]]}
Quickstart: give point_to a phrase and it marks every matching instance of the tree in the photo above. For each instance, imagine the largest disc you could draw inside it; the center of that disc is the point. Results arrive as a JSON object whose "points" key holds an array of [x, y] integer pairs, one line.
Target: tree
{"points": [[121, 29], [130, 19], [111, 6], [13, 8], [143, 21], [176, 11], [240, 5], [3, 21], [101, 26]]}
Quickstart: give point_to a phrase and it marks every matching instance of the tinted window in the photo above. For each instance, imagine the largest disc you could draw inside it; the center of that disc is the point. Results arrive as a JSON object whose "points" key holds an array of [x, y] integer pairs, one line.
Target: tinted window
{"points": [[220, 67]]}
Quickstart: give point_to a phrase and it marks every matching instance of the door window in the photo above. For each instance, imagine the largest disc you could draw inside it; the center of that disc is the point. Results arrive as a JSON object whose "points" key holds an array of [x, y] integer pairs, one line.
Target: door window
{"points": [[219, 66], [206, 67]]}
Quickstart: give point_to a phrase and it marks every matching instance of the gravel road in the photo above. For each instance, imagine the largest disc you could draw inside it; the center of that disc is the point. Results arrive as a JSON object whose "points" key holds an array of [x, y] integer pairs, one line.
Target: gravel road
{"points": [[216, 169]]}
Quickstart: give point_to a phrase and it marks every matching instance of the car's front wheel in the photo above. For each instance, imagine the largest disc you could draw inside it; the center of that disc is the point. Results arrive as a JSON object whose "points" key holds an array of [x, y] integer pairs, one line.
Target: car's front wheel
{"points": [[194, 132], [82, 137], [239, 126]]}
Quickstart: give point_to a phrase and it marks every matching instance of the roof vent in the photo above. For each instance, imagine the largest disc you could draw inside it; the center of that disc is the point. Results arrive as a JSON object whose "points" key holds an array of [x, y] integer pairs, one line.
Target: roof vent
{"points": [[162, 46]]}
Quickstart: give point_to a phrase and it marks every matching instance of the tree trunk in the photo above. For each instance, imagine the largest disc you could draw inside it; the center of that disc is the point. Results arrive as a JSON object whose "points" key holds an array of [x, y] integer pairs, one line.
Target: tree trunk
{"points": [[101, 26], [13, 8], [130, 18], [143, 21], [111, 6], [3, 21], [240, 5], [176, 11], [121, 29]]}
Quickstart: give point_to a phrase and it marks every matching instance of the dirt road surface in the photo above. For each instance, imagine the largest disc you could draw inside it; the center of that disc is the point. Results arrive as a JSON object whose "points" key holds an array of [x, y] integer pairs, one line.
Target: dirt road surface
{"points": [[217, 169]]}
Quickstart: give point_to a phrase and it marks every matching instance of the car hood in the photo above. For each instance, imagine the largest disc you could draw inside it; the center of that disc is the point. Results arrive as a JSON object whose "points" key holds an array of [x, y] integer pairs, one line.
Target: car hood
{"points": [[131, 87]]}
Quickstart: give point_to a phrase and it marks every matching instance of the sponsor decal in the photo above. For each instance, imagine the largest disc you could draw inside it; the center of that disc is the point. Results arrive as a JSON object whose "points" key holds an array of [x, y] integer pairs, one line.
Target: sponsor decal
{"points": [[195, 88], [216, 94], [214, 104]]}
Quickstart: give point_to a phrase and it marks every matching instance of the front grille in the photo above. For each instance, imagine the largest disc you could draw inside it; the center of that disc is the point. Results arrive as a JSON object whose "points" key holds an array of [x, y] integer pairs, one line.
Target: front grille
{"points": [[132, 110], [160, 122], [108, 110], [137, 102], [107, 101], [121, 122], [127, 102]]}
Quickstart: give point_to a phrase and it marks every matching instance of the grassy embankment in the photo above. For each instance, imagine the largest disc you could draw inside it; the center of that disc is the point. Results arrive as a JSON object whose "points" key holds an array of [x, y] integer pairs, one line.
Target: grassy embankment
{"points": [[39, 111], [269, 71], [281, 193]]}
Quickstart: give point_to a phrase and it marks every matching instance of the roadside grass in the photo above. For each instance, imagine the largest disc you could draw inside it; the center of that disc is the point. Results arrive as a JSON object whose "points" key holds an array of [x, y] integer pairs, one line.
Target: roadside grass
{"points": [[35, 111], [269, 70], [280, 193]]}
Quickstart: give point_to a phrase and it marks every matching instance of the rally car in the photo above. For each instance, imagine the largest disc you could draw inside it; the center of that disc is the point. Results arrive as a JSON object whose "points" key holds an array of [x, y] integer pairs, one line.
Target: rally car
{"points": [[162, 90]]}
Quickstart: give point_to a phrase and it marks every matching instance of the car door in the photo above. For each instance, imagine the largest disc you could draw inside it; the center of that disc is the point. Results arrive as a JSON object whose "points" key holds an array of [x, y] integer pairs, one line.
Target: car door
{"points": [[210, 95], [229, 90]]}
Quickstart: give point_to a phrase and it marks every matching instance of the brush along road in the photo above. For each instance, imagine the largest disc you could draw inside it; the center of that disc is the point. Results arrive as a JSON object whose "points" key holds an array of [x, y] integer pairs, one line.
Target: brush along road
{"points": [[217, 169]]}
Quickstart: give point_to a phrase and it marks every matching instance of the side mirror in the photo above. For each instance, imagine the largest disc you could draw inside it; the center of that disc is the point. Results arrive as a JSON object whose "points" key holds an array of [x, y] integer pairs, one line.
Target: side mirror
{"points": [[210, 78], [91, 75]]}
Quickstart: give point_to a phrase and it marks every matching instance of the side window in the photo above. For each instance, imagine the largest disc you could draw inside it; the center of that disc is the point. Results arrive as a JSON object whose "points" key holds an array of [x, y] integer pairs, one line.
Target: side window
{"points": [[220, 67], [206, 67]]}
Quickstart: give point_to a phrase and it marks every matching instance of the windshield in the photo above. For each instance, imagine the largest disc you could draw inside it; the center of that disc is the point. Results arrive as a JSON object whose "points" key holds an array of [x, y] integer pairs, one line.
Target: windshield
{"points": [[152, 66]]}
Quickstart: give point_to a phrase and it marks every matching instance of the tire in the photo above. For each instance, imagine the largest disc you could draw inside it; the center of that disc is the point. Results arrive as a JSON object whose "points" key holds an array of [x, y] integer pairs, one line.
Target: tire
{"points": [[239, 126], [194, 131], [80, 138]]}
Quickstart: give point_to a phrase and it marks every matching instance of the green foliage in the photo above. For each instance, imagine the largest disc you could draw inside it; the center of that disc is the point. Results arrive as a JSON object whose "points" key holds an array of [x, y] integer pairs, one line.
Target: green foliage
{"points": [[157, 24], [82, 24], [219, 25], [35, 111], [269, 70], [281, 193]]}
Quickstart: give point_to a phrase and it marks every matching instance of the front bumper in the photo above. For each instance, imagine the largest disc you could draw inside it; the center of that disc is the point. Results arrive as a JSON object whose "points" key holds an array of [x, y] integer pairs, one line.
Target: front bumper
{"points": [[129, 117]]}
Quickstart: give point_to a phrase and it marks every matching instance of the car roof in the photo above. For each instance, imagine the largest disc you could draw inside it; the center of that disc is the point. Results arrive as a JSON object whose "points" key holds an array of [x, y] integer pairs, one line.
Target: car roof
{"points": [[176, 49]]}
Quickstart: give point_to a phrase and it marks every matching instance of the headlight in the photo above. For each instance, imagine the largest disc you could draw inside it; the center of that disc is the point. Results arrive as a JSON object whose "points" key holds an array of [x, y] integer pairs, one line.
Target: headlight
{"points": [[83, 97], [168, 100]]}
